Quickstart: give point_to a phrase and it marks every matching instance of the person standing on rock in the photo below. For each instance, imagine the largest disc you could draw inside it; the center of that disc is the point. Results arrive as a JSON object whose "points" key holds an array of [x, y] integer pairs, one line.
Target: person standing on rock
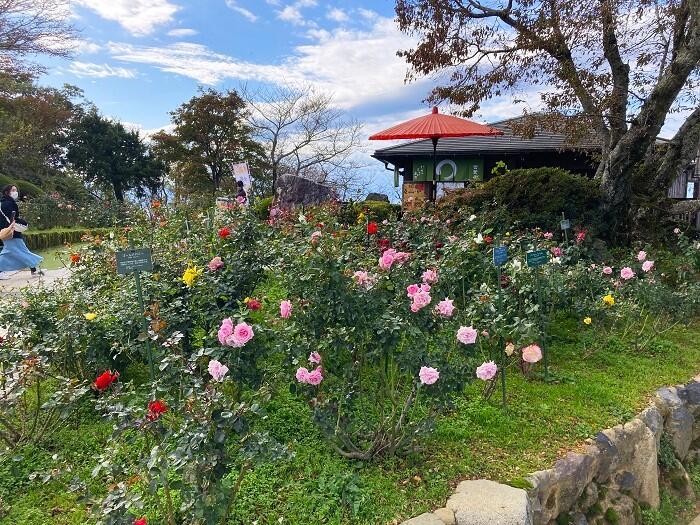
{"points": [[15, 255]]}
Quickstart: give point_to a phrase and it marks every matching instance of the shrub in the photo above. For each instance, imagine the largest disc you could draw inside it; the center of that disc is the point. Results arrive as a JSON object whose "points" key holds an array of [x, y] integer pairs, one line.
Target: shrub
{"points": [[261, 207], [530, 198], [26, 189]]}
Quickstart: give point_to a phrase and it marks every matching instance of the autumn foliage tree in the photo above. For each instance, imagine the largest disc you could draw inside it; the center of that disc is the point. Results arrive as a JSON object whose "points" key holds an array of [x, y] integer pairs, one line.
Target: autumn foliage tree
{"points": [[616, 67]]}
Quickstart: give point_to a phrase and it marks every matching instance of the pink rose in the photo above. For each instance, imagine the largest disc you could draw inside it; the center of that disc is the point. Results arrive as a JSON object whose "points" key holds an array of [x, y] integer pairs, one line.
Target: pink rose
{"points": [[626, 273], [548, 236], [215, 264], [430, 276], [363, 279], [641, 256], [314, 358], [607, 270], [445, 308], [315, 237], [285, 309], [556, 251], [412, 289], [421, 299], [217, 370], [225, 331], [302, 374], [386, 260], [486, 371], [242, 333], [428, 375], [648, 266], [314, 378], [532, 353], [581, 236], [466, 335], [240, 199]]}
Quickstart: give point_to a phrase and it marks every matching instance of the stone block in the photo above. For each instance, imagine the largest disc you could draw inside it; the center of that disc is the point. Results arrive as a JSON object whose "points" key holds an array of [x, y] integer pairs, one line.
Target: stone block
{"points": [[484, 502]]}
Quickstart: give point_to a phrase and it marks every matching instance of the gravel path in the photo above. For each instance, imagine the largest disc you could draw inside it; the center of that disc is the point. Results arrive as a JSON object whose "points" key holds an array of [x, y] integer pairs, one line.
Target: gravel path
{"points": [[12, 281]]}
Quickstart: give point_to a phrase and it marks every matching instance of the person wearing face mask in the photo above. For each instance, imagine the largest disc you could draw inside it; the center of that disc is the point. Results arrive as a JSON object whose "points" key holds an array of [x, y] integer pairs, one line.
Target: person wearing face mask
{"points": [[15, 255]]}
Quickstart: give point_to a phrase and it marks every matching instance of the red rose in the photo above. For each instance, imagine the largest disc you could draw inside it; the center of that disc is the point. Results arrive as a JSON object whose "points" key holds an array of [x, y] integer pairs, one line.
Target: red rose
{"points": [[141, 521], [253, 304], [156, 409], [107, 378], [372, 228], [488, 239], [224, 232], [438, 245], [384, 244]]}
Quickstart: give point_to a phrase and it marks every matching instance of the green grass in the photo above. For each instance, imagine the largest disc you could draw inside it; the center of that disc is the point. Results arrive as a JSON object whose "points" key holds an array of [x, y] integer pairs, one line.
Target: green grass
{"points": [[602, 383]]}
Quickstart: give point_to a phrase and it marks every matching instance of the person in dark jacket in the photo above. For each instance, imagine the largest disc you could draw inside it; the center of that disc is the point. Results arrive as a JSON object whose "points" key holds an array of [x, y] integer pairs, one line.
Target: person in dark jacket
{"points": [[15, 255]]}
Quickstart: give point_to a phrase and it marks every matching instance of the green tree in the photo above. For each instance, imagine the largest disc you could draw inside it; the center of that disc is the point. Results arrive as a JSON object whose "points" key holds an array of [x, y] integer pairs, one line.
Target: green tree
{"points": [[210, 135], [619, 67], [105, 153]]}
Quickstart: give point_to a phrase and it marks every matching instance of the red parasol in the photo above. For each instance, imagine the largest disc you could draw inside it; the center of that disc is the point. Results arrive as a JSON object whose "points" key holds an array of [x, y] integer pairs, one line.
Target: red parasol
{"points": [[435, 126]]}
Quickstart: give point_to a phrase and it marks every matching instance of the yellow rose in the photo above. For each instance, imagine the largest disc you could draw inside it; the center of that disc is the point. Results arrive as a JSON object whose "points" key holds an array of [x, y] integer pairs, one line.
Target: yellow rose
{"points": [[190, 275], [90, 316], [361, 218], [609, 300], [587, 320], [510, 348]]}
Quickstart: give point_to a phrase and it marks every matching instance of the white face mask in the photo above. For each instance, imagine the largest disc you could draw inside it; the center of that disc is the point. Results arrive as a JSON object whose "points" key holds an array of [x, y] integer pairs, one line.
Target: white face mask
{"points": [[14, 195]]}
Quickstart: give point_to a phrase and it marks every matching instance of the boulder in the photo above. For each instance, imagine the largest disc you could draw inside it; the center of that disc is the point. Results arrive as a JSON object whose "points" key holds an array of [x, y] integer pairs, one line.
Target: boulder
{"points": [[446, 515], [484, 502], [654, 421], [293, 191]]}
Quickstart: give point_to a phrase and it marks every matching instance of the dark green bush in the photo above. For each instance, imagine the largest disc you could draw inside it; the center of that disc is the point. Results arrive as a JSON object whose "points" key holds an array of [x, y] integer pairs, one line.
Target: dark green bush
{"points": [[261, 207], [530, 198]]}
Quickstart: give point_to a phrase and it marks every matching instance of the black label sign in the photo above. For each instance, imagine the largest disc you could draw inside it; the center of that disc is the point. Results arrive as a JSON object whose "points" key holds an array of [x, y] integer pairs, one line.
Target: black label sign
{"points": [[130, 261]]}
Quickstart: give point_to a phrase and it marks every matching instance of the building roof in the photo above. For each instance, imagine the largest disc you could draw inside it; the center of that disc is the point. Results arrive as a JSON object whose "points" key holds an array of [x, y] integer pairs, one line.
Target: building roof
{"points": [[543, 140]]}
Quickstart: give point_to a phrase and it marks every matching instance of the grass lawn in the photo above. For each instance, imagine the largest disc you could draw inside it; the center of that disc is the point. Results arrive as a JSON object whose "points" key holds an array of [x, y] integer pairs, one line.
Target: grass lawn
{"points": [[601, 382], [58, 256]]}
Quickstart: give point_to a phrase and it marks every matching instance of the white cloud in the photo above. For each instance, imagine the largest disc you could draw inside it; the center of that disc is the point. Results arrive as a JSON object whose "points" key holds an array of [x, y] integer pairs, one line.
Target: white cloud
{"points": [[233, 4], [138, 17], [182, 32], [88, 69], [337, 15], [356, 66], [86, 47], [292, 12]]}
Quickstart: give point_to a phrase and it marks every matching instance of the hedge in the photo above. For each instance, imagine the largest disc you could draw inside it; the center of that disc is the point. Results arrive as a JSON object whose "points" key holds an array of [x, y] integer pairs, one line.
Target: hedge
{"points": [[24, 187], [42, 239]]}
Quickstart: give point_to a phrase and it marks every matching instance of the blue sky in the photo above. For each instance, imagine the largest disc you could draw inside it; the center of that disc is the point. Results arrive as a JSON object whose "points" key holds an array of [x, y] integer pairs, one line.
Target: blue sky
{"points": [[140, 59]]}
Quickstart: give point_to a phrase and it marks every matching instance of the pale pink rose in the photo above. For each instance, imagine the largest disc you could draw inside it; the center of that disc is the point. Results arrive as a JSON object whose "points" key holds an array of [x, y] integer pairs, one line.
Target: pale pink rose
{"points": [[302, 375], [641, 256], [242, 333], [286, 309], [217, 370], [486, 371], [484, 333], [314, 358], [315, 237], [401, 257], [420, 300], [314, 378], [364, 279], [412, 289], [532, 353], [648, 266], [556, 251], [428, 375], [607, 270], [452, 238], [225, 331], [466, 335], [386, 260], [626, 273], [240, 199], [215, 264], [677, 231], [424, 287], [430, 276], [548, 235], [445, 308]]}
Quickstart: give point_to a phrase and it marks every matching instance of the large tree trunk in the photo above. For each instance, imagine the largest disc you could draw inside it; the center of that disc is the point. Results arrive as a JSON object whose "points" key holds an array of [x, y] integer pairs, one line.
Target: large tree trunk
{"points": [[118, 190]]}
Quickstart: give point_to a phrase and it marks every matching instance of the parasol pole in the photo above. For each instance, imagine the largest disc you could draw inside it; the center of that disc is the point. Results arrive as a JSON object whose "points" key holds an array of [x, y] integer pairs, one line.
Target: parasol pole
{"points": [[435, 173]]}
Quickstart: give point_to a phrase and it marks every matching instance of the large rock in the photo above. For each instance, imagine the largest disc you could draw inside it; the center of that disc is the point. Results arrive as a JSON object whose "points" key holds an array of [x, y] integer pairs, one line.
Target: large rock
{"points": [[484, 502], [295, 191], [671, 402], [558, 489]]}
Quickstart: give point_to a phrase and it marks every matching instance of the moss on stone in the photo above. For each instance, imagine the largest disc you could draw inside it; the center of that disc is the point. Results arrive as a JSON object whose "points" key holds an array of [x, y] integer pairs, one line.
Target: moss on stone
{"points": [[612, 517], [564, 519], [594, 510]]}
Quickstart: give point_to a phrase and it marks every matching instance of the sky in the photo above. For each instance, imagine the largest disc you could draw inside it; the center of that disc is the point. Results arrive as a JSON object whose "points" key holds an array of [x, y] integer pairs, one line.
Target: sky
{"points": [[140, 59]]}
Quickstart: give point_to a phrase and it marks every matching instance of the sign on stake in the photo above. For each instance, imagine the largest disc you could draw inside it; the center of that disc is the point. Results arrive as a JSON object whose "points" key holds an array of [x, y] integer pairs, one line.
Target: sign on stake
{"points": [[500, 257], [536, 259]]}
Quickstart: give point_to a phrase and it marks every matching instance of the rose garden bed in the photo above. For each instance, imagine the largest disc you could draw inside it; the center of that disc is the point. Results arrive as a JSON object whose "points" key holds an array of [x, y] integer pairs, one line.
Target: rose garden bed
{"points": [[394, 415]]}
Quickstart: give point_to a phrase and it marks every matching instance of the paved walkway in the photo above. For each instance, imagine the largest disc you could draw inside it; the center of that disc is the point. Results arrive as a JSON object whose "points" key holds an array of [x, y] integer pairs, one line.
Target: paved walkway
{"points": [[696, 521], [22, 279]]}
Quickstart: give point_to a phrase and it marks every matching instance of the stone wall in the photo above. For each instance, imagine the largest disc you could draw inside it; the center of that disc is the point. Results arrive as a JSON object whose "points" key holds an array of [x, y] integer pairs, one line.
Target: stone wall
{"points": [[608, 483]]}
